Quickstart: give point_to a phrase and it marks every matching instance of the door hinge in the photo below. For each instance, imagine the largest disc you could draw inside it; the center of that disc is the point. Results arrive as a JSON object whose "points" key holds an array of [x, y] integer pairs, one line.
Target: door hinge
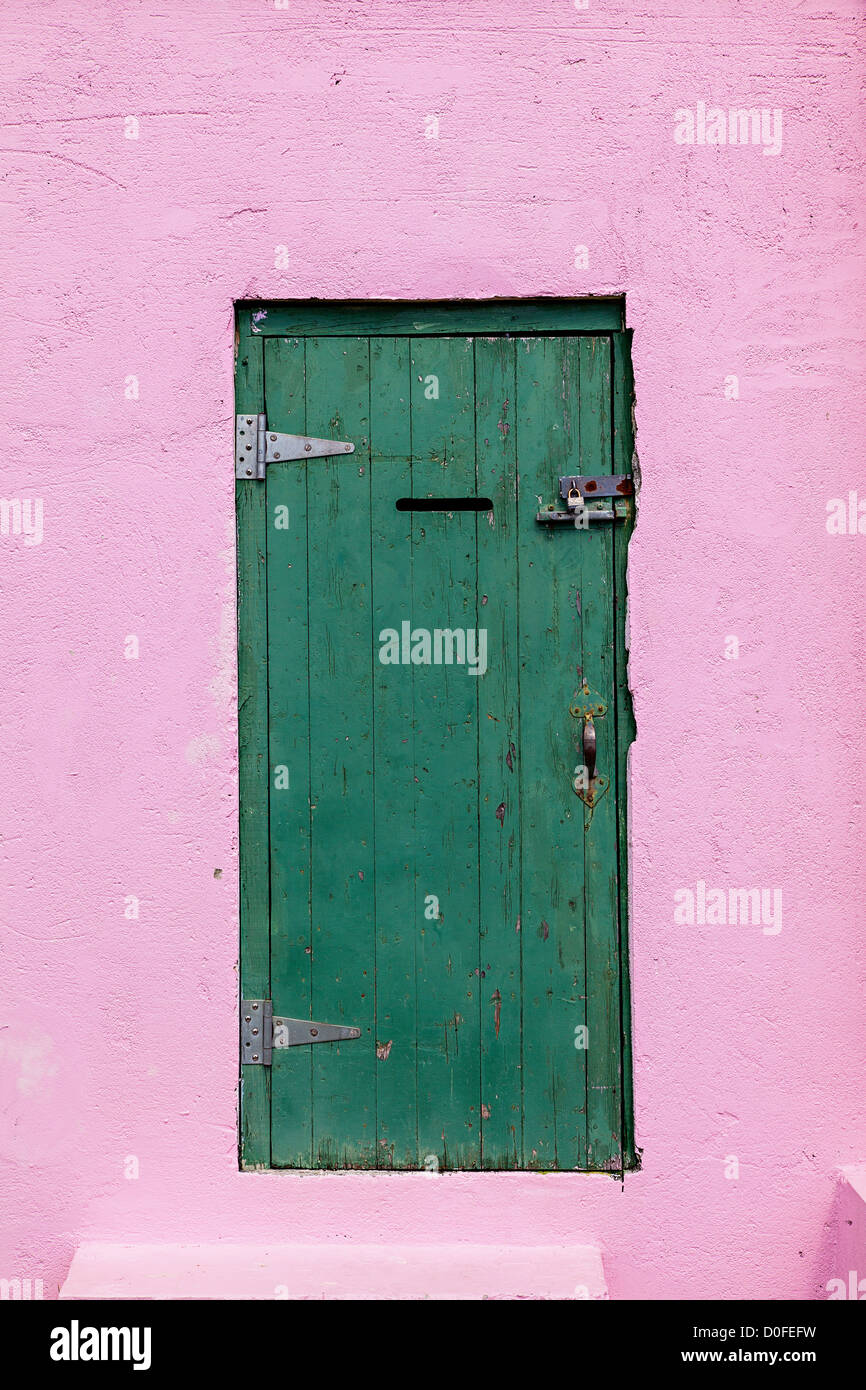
{"points": [[256, 446], [261, 1032]]}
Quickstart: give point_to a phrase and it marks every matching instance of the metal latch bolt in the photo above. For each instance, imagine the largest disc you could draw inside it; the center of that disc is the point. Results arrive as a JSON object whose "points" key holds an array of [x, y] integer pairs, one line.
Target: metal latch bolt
{"points": [[577, 490]]}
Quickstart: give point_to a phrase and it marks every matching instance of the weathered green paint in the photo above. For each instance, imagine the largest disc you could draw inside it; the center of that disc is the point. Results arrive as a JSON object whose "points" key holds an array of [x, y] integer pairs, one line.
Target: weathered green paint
{"points": [[431, 317], [252, 758], [445, 701], [289, 734], [434, 879], [498, 758], [603, 1054], [623, 456], [397, 915]]}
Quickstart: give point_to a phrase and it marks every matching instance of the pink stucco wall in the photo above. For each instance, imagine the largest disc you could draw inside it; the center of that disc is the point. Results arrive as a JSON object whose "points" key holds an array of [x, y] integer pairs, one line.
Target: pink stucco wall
{"points": [[306, 128]]}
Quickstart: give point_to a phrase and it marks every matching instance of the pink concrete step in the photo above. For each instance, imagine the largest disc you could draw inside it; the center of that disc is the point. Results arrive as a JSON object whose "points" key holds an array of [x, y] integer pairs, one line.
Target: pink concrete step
{"points": [[335, 1271], [849, 1274]]}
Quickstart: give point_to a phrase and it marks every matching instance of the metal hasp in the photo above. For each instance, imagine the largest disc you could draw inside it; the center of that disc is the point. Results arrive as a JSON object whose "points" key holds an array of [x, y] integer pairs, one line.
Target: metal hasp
{"points": [[256, 446], [577, 489], [261, 1032], [607, 485]]}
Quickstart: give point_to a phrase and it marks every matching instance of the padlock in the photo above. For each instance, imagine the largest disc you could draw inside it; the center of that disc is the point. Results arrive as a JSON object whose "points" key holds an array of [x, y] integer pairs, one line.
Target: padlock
{"points": [[577, 506]]}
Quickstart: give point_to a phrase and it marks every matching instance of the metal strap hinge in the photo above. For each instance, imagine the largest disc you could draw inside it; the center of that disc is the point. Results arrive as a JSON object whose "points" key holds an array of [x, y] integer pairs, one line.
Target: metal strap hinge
{"points": [[256, 446], [262, 1031]]}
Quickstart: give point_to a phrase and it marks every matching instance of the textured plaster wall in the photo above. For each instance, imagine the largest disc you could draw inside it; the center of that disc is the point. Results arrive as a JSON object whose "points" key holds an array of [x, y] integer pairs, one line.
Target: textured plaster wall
{"points": [[306, 128]]}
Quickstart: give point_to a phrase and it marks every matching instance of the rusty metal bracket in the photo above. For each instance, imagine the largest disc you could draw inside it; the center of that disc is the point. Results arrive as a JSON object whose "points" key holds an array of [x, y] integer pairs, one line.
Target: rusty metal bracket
{"points": [[587, 702], [606, 485], [592, 794]]}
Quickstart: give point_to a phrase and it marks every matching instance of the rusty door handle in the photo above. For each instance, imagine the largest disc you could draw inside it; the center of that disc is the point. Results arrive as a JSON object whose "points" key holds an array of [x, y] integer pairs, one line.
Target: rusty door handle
{"points": [[588, 706]]}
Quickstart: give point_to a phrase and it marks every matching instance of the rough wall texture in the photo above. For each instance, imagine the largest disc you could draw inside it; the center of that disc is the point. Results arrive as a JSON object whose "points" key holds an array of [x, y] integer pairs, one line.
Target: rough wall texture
{"points": [[124, 246]]}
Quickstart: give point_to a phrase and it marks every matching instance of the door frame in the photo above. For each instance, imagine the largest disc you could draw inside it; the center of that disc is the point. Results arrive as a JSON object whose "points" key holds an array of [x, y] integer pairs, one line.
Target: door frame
{"points": [[255, 321]]}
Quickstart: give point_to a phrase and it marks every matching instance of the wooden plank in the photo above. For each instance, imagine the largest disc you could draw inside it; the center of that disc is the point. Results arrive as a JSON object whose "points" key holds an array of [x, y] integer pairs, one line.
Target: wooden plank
{"points": [[341, 736], [288, 720], [623, 451], [498, 755], [595, 554], [552, 913], [445, 699], [399, 913], [252, 760], [382, 317]]}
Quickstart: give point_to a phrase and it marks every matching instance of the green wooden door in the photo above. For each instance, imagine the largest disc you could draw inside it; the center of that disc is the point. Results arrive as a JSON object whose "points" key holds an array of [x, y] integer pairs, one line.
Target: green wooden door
{"points": [[415, 860]]}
